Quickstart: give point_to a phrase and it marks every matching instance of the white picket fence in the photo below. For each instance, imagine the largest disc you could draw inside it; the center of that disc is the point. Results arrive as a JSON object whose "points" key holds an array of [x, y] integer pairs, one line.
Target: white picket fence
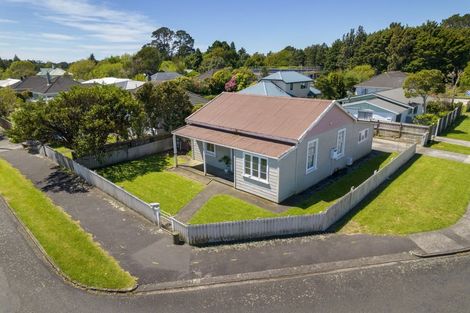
{"points": [[150, 211], [290, 225], [239, 230]]}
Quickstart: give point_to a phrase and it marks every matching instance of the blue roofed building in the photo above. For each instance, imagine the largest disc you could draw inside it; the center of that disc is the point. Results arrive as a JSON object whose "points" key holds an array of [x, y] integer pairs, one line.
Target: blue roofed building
{"points": [[284, 84]]}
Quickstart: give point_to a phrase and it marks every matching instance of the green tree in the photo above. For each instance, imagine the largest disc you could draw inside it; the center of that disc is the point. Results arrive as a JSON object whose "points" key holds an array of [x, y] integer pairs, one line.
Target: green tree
{"points": [[465, 78], [107, 69], [218, 80], [194, 60], [147, 61], [8, 101], [82, 69], [150, 100], [332, 85], [20, 69], [423, 84], [256, 60], [357, 75], [81, 119], [174, 105]]}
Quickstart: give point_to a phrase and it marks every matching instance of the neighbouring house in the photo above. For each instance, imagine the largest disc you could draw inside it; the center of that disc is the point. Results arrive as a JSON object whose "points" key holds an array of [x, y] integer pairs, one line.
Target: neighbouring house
{"points": [[52, 71], [123, 83], [275, 147], [389, 105], [384, 81], [8, 82], [285, 84], [45, 87], [164, 76]]}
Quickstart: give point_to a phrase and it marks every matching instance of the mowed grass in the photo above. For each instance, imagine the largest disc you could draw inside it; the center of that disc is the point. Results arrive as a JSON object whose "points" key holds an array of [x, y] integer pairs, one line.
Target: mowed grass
{"points": [[461, 128], [223, 208], [449, 147], [69, 246], [426, 195], [148, 180]]}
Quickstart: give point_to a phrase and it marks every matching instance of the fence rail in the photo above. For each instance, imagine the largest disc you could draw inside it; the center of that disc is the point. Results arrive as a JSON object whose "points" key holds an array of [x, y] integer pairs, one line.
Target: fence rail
{"points": [[239, 230], [419, 134], [290, 225]]}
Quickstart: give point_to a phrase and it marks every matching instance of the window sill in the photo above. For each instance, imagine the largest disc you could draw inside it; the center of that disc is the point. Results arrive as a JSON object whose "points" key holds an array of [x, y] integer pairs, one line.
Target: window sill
{"points": [[264, 181], [310, 170]]}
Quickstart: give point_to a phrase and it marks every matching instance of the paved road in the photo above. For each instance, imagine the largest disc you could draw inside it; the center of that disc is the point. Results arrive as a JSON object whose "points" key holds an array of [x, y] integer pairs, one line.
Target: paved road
{"points": [[426, 285]]}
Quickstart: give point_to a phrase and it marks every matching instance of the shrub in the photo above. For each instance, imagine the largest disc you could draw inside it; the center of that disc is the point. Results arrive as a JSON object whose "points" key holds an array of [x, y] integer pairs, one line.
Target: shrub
{"points": [[426, 119]]}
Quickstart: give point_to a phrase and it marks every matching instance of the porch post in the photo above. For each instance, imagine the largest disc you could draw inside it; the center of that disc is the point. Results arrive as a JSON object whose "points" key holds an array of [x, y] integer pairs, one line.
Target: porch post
{"points": [[175, 150], [204, 160]]}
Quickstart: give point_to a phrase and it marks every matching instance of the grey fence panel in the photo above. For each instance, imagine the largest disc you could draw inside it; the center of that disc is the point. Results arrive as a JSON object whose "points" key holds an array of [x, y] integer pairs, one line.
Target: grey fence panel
{"points": [[101, 183], [447, 121], [407, 132], [126, 153]]}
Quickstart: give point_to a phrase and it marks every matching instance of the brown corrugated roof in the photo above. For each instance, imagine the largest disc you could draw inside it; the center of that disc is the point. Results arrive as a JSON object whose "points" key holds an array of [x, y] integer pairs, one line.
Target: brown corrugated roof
{"points": [[263, 147], [280, 118]]}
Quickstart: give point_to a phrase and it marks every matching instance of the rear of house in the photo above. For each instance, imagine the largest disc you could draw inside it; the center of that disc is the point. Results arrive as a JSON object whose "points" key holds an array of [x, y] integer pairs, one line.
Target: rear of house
{"points": [[276, 146]]}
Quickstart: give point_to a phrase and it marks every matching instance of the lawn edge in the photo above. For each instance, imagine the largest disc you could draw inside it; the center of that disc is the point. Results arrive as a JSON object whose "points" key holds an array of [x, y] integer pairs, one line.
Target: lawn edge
{"points": [[47, 260]]}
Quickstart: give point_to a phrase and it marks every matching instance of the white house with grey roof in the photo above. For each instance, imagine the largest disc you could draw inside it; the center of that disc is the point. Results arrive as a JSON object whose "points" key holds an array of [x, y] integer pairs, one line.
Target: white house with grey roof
{"points": [[389, 105], [284, 84]]}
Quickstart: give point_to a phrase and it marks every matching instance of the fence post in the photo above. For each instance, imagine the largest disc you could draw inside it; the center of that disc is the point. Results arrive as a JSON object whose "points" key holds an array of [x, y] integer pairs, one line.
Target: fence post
{"points": [[437, 127], [400, 130], [156, 212]]}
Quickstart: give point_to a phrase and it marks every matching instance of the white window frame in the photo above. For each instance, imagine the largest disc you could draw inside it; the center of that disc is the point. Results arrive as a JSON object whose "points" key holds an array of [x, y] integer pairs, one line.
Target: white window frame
{"points": [[364, 135], [308, 170], [208, 152], [250, 175], [341, 153]]}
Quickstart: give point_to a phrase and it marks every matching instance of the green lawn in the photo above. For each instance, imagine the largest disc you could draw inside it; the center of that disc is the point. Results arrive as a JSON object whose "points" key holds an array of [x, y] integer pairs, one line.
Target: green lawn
{"points": [[72, 249], [222, 208], [147, 179], [225, 208], [428, 194], [461, 130], [449, 147]]}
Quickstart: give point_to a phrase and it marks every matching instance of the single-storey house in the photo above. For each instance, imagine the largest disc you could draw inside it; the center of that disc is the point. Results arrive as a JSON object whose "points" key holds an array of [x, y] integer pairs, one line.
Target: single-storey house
{"points": [[384, 81], [123, 83], [45, 87], [389, 105], [284, 84], [275, 146], [8, 82], [164, 76], [52, 71]]}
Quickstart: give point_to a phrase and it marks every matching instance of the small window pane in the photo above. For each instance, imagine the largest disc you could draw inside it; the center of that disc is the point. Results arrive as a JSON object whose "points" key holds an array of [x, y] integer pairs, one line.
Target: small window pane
{"points": [[263, 169], [247, 164], [255, 171], [210, 147]]}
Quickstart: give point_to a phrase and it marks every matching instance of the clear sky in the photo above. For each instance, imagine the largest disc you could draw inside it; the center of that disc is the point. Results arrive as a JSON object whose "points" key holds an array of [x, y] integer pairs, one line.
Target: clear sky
{"points": [[66, 30]]}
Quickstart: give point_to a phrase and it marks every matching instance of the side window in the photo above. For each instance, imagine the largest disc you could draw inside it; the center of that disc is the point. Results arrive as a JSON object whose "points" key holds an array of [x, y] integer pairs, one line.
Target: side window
{"points": [[341, 142], [247, 164], [291, 86], [363, 135], [312, 152]]}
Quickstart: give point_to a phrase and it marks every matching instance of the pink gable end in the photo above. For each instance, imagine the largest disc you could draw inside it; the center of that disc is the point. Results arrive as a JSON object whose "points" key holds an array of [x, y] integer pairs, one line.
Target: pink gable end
{"points": [[333, 119]]}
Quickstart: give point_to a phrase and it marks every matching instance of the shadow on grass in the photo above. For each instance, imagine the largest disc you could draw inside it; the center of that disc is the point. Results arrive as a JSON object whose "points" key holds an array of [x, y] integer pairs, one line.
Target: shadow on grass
{"points": [[371, 197], [340, 183], [61, 180], [133, 169], [452, 130]]}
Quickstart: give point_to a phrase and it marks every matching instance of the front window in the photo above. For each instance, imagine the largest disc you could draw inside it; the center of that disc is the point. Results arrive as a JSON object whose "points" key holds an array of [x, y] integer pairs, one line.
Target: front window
{"points": [[303, 85], [312, 152], [291, 86], [341, 142], [363, 135], [256, 167], [210, 149]]}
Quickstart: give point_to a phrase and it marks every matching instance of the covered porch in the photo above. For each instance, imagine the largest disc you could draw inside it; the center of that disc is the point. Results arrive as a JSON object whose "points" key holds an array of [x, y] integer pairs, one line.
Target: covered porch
{"points": [[208, 159]]}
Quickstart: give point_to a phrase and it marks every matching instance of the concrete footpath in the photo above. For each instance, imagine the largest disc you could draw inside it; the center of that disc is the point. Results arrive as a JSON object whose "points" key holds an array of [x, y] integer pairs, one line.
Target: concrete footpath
{"points": [[147, 252]]}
